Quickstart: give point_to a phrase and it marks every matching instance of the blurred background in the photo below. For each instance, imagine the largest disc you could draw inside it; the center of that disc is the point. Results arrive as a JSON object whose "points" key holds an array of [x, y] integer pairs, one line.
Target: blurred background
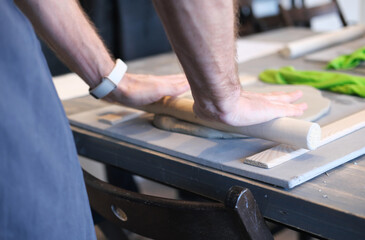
{"points": [[131, 29]]}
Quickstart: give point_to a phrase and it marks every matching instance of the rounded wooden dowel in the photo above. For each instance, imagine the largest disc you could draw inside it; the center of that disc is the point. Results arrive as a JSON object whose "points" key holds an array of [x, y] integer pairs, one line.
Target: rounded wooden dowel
{"points": [[290, 131], [301, 47]]}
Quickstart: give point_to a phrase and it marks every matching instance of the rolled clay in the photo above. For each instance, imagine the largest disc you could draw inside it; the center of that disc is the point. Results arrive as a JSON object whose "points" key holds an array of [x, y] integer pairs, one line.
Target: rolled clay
{"points": [[311, 44], [291, 131], [175, 125]]}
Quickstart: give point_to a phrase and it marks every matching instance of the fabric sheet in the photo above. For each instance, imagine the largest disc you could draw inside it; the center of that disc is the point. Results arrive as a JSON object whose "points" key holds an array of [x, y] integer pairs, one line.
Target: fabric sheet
{"points": [[331, 81], [348, 61]]}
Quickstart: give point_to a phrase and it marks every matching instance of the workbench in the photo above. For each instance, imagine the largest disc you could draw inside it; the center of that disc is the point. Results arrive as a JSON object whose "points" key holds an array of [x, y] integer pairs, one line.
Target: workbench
{"points": [[331, 205]]}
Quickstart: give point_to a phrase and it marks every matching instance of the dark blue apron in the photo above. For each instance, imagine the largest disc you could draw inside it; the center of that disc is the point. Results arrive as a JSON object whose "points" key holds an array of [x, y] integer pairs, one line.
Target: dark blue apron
{"points": [[42, 194]]}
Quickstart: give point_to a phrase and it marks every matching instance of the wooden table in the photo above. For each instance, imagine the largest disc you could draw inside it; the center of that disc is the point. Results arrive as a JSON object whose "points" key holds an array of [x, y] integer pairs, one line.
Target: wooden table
{"points": [[331, 205]]}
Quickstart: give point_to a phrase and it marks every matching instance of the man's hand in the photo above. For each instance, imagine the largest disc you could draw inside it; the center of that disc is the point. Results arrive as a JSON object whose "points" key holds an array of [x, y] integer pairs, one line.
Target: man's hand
{"points": [[252, 108], [138, 89], [203, 37]]}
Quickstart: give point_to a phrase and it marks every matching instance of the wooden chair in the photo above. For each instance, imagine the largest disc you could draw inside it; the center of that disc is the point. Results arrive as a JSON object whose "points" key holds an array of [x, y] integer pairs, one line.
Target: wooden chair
{"points": [[296, 15], [160, 218], [301, 15], [246, 19], [249, 23]]}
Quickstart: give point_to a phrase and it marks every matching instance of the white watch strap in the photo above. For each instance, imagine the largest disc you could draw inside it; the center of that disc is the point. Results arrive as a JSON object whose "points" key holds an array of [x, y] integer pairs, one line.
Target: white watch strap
{"points": [[110, 82]]}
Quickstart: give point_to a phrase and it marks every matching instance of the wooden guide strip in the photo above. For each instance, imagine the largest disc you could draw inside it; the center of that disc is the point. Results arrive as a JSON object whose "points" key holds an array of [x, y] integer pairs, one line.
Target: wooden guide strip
{"points": [[283, 152]]}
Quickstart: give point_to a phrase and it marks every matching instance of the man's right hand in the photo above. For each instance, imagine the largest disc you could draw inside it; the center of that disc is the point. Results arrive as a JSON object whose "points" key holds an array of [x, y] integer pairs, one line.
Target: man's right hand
{"points": [[252, 108], [139, 89]]}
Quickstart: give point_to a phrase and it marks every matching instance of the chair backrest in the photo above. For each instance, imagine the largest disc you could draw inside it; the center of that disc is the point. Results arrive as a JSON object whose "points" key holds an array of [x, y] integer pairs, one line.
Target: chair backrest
{"points": [[296, 15], [301, 16], [246, 19], [249, 23], [160, 218]]}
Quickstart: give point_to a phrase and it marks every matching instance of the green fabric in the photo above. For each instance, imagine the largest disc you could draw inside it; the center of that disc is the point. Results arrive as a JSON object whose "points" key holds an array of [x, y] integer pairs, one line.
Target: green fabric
{"points": [[348, 61], [336, 82]]}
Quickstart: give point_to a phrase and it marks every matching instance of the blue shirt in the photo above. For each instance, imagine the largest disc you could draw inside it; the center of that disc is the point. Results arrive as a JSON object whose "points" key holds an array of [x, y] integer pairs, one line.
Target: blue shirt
{"points": [[42, 193]]}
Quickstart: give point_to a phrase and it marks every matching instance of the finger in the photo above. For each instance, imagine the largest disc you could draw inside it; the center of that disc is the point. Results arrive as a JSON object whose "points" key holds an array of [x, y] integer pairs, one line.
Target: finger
{"points": [[284, 97], [303, 106], [279, 96], [181, 88], [274, 93], [180, 75], [171, 79], [289, 110], [172, 76], [178, 78], [174, 89], [266, 93]]}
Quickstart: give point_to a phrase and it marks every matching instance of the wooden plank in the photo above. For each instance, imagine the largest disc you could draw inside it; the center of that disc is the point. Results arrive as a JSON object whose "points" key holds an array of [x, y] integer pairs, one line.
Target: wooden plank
{"points": [[282, 153], [113, 118]]}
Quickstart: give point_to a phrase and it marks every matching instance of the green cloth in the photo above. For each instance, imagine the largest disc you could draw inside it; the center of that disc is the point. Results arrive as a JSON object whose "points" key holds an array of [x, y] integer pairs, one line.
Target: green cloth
{"points": [[336, 82], [348, 61]]}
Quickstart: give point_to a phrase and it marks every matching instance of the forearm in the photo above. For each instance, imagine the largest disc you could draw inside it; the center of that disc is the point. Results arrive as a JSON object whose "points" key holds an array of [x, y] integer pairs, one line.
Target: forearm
{"points": [[203, 37], [66, 30]]}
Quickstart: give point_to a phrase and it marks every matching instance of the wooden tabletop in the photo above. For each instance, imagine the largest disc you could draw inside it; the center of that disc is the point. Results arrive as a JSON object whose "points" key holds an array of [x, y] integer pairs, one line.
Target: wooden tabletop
{"points": [[331, 205]]}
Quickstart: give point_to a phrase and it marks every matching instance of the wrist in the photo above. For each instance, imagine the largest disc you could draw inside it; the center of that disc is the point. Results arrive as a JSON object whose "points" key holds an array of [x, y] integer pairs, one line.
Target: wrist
{"points": [[101, 71], [109, 82], [216, 104]]}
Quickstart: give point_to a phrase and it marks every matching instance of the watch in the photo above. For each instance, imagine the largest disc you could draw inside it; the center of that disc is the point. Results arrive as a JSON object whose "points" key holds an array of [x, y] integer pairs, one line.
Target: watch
{"points": [[110, 82]]}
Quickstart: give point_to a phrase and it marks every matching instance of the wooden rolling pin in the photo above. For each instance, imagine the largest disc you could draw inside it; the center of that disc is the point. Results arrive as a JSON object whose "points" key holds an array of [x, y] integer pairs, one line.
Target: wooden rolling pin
{"points": [[301, 47], [290, 131]]}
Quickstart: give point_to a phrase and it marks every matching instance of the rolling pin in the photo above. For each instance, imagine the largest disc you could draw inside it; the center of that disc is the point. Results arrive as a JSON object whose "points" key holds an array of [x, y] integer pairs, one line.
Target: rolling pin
{"points": [[301, 47], [290, 131]]}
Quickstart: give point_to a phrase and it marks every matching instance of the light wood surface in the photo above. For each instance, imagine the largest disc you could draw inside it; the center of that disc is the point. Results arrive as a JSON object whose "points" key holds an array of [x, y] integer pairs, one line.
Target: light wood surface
{"points": [[124, 115], [282, 153], [172, 124]]}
